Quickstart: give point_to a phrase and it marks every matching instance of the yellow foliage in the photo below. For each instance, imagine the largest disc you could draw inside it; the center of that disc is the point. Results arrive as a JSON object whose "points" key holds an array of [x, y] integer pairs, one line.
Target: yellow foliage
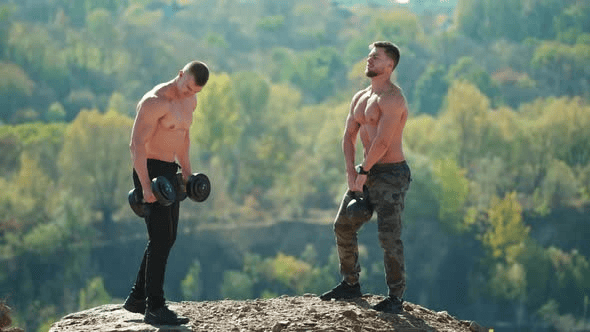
{"points": [[418, 134], [465, 122], [217, 121], [288, 269], [34, 186], [507, 233], [95, 157]]}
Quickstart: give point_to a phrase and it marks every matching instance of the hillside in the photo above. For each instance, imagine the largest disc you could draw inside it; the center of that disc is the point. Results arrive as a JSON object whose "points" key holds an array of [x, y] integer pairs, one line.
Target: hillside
{"points": [[299, 313]]}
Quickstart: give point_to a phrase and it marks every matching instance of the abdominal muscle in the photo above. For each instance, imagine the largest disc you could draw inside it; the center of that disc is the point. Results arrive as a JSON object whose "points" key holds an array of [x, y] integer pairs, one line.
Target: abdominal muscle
{"points": [[394, 152], [164, 144]]}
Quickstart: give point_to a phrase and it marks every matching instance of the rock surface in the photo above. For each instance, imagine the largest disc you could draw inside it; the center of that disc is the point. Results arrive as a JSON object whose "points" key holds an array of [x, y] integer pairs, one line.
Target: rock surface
{"points": [[283, 314]]}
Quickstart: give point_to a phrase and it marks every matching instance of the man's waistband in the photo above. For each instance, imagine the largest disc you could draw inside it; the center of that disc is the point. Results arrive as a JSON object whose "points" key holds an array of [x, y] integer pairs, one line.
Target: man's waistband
{"points": [[151, 161], [386, 167]]}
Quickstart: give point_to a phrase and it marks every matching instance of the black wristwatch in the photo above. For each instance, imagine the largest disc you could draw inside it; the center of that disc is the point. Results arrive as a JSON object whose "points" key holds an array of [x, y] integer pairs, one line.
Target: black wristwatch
{"points": [[361, 171]]}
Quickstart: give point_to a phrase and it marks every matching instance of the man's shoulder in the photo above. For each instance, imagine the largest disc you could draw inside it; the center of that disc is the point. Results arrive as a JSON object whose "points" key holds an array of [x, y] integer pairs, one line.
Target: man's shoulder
{"points": [[153, 98], [392, 99]]}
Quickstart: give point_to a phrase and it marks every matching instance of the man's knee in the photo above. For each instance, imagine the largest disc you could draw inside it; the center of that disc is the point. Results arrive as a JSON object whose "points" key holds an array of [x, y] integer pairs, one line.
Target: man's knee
{"points": [[344, 226], [390, 242]]}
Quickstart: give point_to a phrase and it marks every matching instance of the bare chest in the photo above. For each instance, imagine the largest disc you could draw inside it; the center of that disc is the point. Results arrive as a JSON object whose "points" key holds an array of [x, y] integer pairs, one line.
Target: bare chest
{"points": [[367, 110], [178, 117]]}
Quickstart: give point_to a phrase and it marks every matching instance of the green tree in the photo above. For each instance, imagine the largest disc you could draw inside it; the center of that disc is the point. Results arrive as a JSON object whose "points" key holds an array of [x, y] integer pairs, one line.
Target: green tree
{"points": [[15, 89], [191, 285], [451, 193], [25, 206], [253, 93], [513, 20], [100, 27], [467, 70], [319, 72], [94, 294], [42, 142], [289, 271], [468, 17], [572, 22], [401, 26], [55, 113], [95, 162], [559, 186], [271, 23], [78, 100], [556, 142], [11, 146], [465, 120], [280, 64], [562, 67], [217, 123], [237, 285], [6, 13], [431, 89], [537, 14]]}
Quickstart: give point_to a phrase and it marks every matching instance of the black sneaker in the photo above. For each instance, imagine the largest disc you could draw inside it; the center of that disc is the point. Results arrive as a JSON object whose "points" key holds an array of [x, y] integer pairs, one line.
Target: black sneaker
{"points": [[342, 292], [391, 305], [163, 316], [135, 305]]}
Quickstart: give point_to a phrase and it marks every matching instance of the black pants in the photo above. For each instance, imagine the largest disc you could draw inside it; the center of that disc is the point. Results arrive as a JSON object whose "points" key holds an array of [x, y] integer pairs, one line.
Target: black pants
{"points": [[162, 225]]}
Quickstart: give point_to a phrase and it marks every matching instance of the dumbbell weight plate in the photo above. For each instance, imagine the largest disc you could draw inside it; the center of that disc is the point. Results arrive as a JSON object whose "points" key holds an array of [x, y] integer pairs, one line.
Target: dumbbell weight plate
{"points": [[198, 187], [164, 191], [137, 204], [180, 187]]}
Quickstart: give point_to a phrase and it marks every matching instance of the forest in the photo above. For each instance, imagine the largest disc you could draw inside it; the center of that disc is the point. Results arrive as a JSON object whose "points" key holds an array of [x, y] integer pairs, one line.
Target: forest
{"points": [[497, 140]]}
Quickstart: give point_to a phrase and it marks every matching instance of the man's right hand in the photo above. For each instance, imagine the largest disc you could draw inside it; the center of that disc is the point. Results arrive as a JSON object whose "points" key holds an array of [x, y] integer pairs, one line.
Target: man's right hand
{"points": [[148, 196]]}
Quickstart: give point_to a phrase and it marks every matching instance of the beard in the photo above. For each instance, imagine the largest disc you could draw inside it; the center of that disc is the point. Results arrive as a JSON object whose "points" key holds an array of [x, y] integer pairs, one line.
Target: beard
{"points": [[371, 73]]}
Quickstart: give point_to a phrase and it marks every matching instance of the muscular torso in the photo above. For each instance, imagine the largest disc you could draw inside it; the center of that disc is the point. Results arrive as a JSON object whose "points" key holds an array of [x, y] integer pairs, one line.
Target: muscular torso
{"points": [[368, 114], [171, 125], [170, 130]]}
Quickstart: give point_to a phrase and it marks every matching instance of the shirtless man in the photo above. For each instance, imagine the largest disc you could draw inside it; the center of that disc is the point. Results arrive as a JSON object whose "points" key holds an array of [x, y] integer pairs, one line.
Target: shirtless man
{"points": [[378, 113], [160, 138]]}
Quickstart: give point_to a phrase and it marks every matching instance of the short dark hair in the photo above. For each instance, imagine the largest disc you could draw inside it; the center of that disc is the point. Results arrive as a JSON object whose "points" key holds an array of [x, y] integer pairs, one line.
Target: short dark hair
{"points": [[200, 72], [391, 50]]}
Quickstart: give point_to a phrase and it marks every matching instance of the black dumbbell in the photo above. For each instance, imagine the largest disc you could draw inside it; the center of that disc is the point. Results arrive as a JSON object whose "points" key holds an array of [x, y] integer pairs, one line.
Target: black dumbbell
{"points": [[163, 190], [197, 187], [359, 208]]}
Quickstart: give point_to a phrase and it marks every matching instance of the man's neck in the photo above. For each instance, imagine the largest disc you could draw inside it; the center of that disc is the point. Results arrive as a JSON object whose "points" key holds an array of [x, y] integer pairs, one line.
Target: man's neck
{"points": [[170, 89], [380, 84]]}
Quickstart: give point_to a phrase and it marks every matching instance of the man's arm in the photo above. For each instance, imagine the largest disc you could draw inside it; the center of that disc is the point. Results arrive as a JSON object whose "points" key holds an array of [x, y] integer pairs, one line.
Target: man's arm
{"points": [[144, 126], [183, 156], [351, 130], [183, 153], [392, 110]]}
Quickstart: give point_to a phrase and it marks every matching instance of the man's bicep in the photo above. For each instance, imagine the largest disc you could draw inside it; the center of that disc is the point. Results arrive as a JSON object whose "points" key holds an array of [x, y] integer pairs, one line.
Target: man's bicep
{"points": [[352, 126], [392, 112], [145, 123]]}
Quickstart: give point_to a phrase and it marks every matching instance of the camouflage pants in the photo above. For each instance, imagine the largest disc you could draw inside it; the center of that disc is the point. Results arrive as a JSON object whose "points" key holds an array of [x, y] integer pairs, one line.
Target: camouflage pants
{"points": [[385, 190]]}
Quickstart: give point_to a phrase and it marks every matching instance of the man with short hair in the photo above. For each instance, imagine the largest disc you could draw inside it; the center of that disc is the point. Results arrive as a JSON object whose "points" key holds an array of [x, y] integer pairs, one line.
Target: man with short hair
{"points": [[378, 113], [159, 139]]}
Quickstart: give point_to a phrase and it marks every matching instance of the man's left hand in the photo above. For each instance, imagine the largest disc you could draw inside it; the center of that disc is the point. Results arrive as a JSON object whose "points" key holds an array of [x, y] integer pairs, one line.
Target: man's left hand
{"points": [[359, 183]]}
